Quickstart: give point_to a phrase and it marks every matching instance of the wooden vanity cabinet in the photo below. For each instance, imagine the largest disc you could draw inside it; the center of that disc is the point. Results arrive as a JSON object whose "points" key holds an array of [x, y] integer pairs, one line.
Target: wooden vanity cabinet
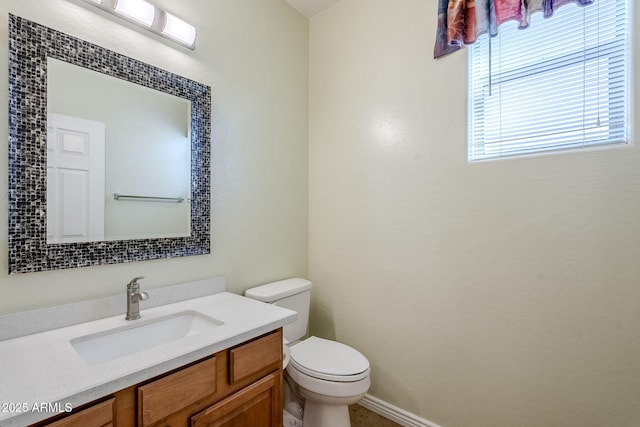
{"points": [[237, 387]]}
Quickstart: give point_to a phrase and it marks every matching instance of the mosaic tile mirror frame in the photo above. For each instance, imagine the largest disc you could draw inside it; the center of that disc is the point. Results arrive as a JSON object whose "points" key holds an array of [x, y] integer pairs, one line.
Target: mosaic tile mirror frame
{"points": [[29, 46]]}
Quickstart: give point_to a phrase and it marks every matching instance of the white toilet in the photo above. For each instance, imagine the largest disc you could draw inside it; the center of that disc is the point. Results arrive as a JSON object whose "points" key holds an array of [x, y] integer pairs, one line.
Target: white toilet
{"points": [[327, 374]]}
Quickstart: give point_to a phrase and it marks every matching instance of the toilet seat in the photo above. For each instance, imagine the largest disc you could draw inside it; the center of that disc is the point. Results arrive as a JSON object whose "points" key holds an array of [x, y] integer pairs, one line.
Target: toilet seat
{"points": [[328, 360]]}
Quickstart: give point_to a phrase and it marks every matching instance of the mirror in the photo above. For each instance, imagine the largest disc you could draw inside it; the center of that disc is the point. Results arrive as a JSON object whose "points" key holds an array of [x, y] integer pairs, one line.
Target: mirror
{"points": [[118, 158], [174, 216]]}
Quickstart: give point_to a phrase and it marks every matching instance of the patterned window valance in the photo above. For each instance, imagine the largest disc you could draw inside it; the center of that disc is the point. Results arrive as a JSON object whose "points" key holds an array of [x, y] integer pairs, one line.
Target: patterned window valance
{"points": [[460, 22]]}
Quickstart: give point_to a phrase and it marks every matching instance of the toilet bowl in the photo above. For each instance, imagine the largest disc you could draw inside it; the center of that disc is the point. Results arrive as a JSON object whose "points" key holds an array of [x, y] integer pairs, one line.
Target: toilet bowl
{"points": [[286, 353], [329, 375]]}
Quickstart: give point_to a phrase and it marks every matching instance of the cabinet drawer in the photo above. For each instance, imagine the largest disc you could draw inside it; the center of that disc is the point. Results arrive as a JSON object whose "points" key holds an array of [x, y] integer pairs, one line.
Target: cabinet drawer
{"points": [[99, 415], [163, 397], [255, 356]]}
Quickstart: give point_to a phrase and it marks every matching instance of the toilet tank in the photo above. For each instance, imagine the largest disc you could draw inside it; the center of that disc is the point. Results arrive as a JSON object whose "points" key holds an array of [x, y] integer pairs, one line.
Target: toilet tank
{"points": [[294, 294]]}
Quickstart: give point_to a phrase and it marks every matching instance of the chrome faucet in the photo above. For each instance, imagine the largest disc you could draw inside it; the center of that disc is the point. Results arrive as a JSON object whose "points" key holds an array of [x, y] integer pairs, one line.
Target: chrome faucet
{"points": [[134, 296]]}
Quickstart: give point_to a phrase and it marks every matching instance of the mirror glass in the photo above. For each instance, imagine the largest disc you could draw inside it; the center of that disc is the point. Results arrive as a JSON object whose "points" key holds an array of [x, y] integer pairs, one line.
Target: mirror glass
{"points": [[153, 185], [118, 158]]}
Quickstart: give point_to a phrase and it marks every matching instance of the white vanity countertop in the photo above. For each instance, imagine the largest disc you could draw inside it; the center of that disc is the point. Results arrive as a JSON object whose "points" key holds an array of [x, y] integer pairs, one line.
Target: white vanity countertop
{"points": [[44, 369]]}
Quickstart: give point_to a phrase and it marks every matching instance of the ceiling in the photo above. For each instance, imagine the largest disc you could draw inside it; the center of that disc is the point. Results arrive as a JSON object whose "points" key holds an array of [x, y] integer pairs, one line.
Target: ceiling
{"points": [[310, 7]]}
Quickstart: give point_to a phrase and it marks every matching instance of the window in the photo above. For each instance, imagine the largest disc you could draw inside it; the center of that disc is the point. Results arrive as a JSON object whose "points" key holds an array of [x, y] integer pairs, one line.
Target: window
{"points": [[561, 84]]}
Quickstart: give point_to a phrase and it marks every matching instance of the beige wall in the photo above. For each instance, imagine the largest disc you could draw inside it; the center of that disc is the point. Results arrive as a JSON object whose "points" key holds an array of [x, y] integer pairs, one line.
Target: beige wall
{"points": [[254, 55], [497, 294]]}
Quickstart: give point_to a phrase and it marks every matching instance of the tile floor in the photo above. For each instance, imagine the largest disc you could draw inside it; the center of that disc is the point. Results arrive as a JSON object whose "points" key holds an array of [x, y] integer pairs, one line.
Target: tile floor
{"points": [[361, 417]]}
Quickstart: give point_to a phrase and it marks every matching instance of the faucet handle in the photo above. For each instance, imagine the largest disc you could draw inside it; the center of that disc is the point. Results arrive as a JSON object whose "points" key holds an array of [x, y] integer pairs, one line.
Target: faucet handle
{"points": [[134, 282]]}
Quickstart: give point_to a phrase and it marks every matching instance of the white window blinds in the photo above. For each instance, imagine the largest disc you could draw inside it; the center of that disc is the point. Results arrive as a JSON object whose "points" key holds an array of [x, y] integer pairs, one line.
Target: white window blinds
{"points": [[562, 83]]}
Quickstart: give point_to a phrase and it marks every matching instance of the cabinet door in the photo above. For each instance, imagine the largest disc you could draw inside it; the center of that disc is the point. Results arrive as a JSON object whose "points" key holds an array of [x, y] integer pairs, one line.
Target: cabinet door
{"points": [[258, 405]]}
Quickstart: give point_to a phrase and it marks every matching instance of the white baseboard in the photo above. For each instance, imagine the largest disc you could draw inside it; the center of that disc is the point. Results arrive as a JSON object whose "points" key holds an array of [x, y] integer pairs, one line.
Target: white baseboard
{"points": [[394, 413]]}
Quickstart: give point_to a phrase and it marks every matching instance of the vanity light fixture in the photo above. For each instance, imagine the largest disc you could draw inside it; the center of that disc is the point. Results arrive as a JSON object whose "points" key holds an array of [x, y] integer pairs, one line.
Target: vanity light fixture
{"points": [[151, 17]]}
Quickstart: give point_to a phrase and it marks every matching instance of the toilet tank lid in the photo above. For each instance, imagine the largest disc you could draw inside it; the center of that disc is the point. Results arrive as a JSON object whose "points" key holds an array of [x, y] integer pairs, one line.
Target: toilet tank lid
{"points": [[277, 290]]}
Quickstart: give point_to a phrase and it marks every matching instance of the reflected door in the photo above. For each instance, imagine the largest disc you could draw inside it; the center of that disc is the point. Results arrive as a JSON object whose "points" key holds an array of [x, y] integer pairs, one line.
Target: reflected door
{"points": [[75, 179]]}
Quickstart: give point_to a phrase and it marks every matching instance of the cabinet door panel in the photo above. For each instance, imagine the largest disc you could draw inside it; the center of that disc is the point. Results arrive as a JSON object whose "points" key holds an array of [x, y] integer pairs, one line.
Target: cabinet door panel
{"points": [[258, 405], [99, 415]]}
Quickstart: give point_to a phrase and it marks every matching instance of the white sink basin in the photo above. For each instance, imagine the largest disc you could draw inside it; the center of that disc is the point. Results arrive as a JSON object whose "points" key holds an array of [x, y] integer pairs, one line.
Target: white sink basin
{"points": [[141, 335]]}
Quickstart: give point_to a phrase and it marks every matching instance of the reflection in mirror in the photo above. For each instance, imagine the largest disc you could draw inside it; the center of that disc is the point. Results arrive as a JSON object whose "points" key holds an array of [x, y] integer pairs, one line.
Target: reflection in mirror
{"points": [[126, 163], [108, 136]]}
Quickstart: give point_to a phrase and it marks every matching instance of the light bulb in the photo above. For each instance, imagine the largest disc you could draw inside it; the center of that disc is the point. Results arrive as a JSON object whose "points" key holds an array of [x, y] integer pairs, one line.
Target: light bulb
{"points": [[179, 30], [138, 10]]}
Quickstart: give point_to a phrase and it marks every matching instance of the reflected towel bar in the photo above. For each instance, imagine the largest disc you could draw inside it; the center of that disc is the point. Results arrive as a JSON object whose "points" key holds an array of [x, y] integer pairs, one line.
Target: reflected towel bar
{"points": [[117, 196]]}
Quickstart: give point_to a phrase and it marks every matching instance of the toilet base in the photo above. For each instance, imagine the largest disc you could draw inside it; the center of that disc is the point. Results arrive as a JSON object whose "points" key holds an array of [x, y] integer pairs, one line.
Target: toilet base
{"points": [[321, 415], [326, 411], [289, 420]]}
